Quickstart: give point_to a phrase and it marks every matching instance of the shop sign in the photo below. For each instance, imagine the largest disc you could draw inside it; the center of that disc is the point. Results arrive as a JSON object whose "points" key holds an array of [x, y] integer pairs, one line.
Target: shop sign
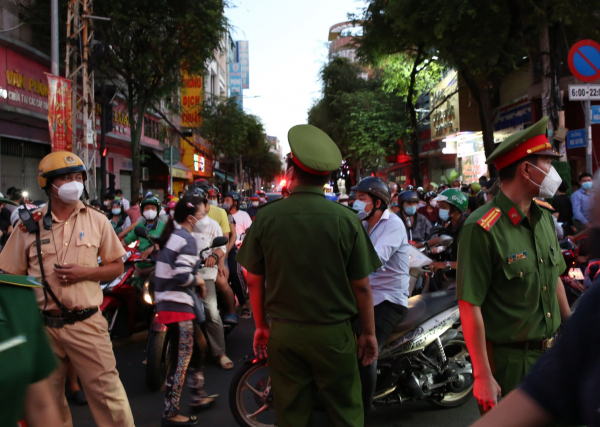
{"points": [[444, 104], [191, 100], [430, 146], [59, 113], [468, 147], [178, 173], [199, 163], [23, 82], [511, 118], [473, 167], [126, 164]]}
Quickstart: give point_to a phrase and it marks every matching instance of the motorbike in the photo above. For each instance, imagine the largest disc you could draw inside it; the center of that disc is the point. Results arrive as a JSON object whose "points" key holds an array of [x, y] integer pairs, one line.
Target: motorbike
{"points": [[425, 358], [419, 261], [121, 304], [159, 342], [573, 276]]}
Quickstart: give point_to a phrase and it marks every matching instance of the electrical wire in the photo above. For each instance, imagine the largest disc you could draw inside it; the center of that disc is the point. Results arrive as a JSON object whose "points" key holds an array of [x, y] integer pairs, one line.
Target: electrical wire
{"points": [[13, 28]]}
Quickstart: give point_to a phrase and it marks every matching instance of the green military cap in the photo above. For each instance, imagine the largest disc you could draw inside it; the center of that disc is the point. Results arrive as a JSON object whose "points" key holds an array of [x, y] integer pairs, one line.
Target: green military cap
{"points": [[313, 150], [529, 141], [8, 202]]}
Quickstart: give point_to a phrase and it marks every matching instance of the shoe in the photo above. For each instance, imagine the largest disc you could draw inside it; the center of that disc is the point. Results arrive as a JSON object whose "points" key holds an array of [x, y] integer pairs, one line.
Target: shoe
{"points": [[246, 313], [79, 398], [225, 363], [231, 319], [166, 422], [204, 403]]}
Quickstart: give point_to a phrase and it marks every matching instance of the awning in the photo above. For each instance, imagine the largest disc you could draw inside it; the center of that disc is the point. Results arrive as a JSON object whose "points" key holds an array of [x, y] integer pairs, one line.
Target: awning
{"points": [[180, 171], [222, 176]]}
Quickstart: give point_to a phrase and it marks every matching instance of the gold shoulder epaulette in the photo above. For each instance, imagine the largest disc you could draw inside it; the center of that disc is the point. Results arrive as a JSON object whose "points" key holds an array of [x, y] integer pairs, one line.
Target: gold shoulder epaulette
{"points": [[489, 219]]}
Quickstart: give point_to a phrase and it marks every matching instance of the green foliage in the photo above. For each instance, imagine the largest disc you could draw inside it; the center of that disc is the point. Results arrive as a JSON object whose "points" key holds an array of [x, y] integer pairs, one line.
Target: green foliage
{"points": [[396, 72], [364, 120]]}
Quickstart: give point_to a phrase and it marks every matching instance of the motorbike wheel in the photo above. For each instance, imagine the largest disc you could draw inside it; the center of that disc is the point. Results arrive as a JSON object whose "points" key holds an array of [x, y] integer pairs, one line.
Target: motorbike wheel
{"points": [[250, 396], [111, 318], [455, 349], [159, 359]]}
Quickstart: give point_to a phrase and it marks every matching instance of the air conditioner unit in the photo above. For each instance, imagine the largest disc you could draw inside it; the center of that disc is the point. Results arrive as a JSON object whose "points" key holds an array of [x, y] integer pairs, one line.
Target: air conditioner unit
{"points": [[145, 174]]}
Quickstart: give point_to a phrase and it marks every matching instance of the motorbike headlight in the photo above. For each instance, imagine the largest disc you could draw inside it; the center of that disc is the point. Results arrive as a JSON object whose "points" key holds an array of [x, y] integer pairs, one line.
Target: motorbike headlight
{"points": [[132, 245], [146, 294]]}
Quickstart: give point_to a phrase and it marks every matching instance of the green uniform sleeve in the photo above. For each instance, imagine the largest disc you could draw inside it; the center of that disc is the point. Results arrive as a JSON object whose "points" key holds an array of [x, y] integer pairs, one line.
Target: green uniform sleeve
{"points": [[474, 269], [45, 361], [131, 237], [250, 255], [363, 258]]}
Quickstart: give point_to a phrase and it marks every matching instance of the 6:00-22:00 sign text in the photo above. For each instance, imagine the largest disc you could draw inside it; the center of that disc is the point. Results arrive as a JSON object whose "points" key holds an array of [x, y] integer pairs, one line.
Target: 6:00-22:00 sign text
{"points": [[584, 92]]}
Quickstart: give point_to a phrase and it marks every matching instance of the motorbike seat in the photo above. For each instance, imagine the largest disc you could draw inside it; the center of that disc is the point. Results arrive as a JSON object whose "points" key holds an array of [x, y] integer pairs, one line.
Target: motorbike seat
{"points": [[422, 308]]}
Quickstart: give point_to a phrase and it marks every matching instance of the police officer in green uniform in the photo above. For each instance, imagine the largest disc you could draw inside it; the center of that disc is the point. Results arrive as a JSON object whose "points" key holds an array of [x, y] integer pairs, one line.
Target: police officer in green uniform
{"points": [[316, 257], [511, 298], [26, 360]]}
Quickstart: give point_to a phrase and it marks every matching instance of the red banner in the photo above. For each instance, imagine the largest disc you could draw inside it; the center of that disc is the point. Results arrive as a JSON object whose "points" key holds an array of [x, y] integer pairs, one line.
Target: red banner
{"points": [[59, 113]]}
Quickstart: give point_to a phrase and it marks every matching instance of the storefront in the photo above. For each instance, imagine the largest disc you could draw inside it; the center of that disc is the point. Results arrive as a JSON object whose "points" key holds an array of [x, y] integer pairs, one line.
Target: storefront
{"points": [[440, 156], [197, 157], [511, 118], [471, 156]]}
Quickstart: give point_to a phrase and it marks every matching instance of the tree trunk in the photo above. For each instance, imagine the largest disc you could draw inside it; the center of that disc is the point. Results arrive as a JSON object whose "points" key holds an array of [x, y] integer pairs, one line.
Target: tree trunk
{"points": [[483, 97], [414, 136], [136, 127]]}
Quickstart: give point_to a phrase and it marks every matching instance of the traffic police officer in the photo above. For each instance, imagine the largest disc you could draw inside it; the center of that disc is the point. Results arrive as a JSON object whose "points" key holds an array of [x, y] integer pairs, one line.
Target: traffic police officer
{"points": [[68, 239], [316, 257], [510, 296]]}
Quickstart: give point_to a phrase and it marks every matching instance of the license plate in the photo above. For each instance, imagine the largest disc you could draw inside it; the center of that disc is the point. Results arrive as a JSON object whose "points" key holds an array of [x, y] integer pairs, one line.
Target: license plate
{"points": [[576, 273]]}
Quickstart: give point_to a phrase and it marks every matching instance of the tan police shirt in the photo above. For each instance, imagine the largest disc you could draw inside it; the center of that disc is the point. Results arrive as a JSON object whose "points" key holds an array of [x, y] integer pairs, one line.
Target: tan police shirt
{"points": [[80, 239]]}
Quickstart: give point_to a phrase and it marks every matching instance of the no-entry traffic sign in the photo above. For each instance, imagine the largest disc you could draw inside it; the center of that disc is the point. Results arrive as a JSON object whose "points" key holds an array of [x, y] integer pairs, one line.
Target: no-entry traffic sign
{"points": [[584, 60]]}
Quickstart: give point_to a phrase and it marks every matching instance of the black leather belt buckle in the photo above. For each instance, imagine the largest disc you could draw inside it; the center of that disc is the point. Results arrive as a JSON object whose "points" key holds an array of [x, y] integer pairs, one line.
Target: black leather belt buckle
{"points": [[54, 322]]}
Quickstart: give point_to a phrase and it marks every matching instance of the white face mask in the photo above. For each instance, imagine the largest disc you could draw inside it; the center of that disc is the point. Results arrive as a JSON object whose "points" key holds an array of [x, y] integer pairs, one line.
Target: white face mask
{"points": [[550, 183], [201, 224], [70, 192], [255, 204], [172, 214], [212, 202], [344, 203], [150, 215]]}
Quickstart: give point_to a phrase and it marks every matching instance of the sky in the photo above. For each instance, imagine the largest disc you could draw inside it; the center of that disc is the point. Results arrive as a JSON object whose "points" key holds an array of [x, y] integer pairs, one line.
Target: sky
{"points": [[288, 46]]}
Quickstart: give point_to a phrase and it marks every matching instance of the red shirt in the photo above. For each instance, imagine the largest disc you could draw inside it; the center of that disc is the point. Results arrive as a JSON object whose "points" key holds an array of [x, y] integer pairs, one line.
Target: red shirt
{"points": [[166, 317], [433, 216]]}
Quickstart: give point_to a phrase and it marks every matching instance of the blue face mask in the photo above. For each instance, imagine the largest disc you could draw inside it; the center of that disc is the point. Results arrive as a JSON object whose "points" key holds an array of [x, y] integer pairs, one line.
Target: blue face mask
{"points": [[116, 211], [444, 214], [359, 207], [587, 185], [410, 210]]}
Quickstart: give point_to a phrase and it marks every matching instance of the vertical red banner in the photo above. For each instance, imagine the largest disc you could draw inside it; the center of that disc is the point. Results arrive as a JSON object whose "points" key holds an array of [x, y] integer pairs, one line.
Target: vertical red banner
{"points": [[59, 113]]}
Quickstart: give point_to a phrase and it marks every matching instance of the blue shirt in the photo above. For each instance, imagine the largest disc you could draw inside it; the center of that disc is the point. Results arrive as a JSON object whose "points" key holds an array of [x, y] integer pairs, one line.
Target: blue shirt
{"points": [[582, 203], [391, 281], [565, 381]]}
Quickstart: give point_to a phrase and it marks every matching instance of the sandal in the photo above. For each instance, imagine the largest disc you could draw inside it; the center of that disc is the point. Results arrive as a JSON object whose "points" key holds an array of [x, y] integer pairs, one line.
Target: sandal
{"points": [[167, 422], [231, 319], [246, 313], [225, 363], [204, 403]]}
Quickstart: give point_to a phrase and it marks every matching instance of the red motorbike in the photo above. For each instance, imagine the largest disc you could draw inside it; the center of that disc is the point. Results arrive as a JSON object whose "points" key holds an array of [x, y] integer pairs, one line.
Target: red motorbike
{"points": [[122, 306]]}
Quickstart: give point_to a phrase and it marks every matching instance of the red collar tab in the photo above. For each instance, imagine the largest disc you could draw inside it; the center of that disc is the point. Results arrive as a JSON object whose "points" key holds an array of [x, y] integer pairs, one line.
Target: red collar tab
{"points": [[531, 146], [514, 216], [306, 168]]}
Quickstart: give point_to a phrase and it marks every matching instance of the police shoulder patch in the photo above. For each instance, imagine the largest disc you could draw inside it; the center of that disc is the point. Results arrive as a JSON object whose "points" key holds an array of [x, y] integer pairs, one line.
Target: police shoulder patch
{"points": [[36, 217], [489, 219], [544, 204]]}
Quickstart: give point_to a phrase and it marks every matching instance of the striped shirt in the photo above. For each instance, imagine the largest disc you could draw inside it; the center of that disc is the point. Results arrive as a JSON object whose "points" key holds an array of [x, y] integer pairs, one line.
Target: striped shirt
{"points": [[174, 265]]}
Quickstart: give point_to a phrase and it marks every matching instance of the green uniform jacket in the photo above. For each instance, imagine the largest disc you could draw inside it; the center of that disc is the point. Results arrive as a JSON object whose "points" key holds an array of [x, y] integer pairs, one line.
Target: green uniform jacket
{"points": [[509, 266], [309, 249], [26, 356]]}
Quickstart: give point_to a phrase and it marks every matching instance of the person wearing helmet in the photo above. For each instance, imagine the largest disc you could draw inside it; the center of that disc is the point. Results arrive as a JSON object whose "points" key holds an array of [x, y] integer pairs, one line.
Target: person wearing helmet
{"points": [[124, 201], [351, 198], [394, 207], [231, 202], [107, 199], [430, 210], [316, 257], [252, 210], [118, 218], [171, 207], [262, 197], [512, 298], [69, 236], [389, 284], [417, 226], [150, 207]]}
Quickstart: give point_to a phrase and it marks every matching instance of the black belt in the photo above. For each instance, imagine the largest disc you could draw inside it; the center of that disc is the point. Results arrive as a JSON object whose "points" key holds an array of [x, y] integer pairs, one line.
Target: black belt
{"points": [[532, 344], [59, 320], [308, 323]]}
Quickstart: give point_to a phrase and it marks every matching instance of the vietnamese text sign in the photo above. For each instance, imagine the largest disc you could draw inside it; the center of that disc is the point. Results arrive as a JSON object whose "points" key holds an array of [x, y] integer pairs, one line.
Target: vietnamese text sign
{"points": [[191, 100], [444, 106], [243, 57], [595, 114], [511, 118], [584, 92], [576, 138], [235, 82], [59, 113]]}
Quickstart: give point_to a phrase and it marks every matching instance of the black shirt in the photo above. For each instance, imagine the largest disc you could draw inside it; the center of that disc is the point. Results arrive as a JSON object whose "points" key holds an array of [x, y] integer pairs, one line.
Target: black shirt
{"points": [[565, 381], [454, 232], [562, 205]]}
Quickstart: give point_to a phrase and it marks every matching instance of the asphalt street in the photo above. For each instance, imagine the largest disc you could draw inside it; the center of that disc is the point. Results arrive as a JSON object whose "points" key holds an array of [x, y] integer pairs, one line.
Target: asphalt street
{"points": [[147, 406]]}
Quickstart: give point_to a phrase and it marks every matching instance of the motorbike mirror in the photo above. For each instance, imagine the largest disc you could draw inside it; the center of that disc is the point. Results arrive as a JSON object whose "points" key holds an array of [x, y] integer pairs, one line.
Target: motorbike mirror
{"points": [[435, 230], [219, 241], [446, 240], [141, 232]]}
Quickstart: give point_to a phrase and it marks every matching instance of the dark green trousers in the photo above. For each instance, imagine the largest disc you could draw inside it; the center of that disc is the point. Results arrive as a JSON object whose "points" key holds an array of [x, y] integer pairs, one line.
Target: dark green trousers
{"points": [[306, 361]]}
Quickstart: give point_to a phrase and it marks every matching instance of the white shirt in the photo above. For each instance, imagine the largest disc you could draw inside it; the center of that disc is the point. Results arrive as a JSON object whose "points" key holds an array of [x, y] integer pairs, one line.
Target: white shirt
{"points": [[391, 281], [204, 239], [126, 205], [242, 223]]}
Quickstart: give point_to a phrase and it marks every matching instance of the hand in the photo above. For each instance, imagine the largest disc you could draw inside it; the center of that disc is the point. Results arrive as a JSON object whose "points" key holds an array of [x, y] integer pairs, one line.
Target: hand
{"points": [[261, 336], [201, 288], [437, 265], [367, 349], [210, 261], [145, 254], [486, 390], [223, 271], [71, 273]]}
